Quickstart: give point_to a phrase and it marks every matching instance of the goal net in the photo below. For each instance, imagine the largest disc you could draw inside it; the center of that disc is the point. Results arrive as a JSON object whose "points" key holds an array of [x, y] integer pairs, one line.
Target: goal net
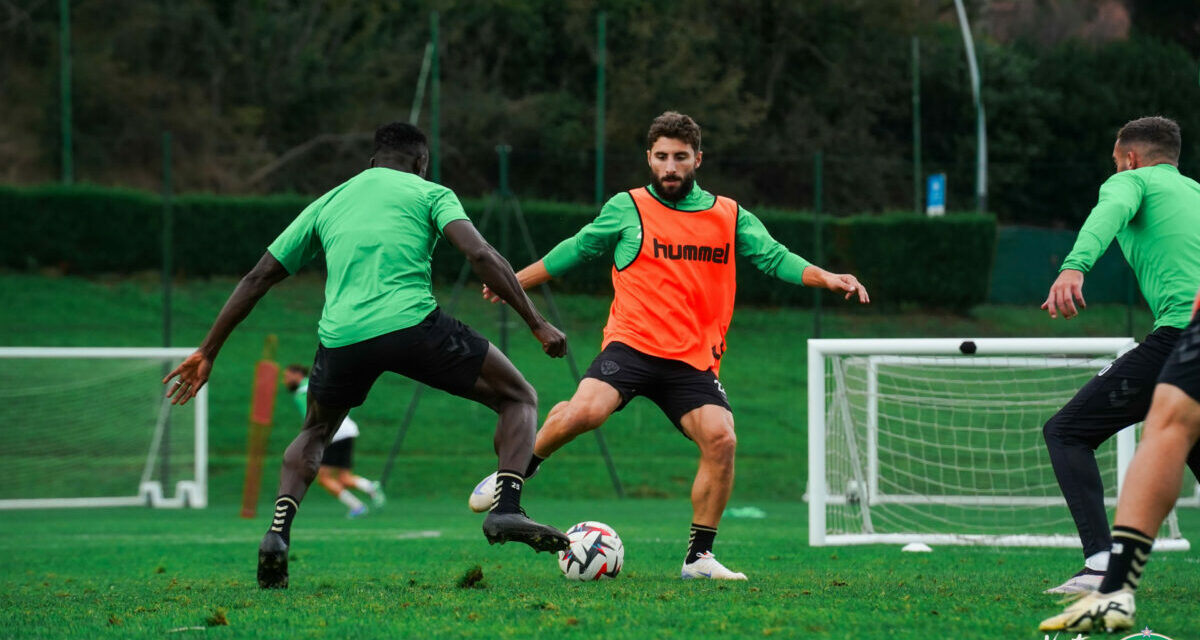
{"points": [[940, 441], [90, 427]]}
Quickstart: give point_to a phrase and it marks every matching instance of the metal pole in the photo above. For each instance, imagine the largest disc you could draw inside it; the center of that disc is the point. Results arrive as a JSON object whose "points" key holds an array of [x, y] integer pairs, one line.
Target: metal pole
{"points": [[64, 88], [601, 57], [435, 103], [168, 233], [168, 238], [422, 78], [980, 121], [916, 123], [505, 211], [818, 241]]}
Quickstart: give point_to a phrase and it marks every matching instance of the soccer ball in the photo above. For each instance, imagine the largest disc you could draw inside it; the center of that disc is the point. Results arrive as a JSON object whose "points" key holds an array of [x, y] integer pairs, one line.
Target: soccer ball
{"points": [[596, 552], [853, 492]]}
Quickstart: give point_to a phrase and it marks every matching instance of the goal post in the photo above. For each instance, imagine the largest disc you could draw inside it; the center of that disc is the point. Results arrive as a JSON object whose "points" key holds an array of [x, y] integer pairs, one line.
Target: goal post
{"points": [[92, 427], [940, 440]]}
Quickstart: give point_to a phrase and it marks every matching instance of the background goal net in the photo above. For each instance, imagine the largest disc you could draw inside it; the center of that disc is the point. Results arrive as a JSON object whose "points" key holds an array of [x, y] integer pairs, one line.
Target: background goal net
{"points": [[940, 441], [90, 427]]}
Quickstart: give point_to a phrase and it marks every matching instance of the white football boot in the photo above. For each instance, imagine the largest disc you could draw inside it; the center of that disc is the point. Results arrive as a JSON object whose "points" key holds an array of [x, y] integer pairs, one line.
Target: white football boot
{"points": [[1095, 612], [481, 498], [1086, 581], [706, 566], [485, 492]]}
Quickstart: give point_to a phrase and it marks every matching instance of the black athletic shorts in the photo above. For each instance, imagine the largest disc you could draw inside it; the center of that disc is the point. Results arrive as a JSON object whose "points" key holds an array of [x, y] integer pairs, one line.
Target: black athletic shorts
{"points": [[339, 454], [439, 351], [675, 386], [1120, 394], [1183, 366]]}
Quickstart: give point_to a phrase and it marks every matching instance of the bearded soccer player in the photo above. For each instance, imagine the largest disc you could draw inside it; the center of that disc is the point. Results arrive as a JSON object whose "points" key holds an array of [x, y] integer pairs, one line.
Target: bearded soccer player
{"points": [[377, 231], [672, 245], [1154, 213], [1151, 488]]}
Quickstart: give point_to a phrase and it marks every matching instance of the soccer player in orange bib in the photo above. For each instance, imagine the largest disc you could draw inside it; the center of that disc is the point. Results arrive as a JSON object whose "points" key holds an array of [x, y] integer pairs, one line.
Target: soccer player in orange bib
{"points": [[672, 246]]}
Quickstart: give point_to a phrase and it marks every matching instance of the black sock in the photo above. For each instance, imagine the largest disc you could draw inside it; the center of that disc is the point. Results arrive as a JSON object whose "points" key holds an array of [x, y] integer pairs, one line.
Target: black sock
{"points": [[507, 498], [285, 510], [700, 541], [534, 463], [1130, 551]]}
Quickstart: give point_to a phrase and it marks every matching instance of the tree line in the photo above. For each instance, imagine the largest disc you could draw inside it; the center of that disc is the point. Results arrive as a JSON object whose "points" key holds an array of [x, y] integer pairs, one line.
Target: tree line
{"points": [[282, 96]]}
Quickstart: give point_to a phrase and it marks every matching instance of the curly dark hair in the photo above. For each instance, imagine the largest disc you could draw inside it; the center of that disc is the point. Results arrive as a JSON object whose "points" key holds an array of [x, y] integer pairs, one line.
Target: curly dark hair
{"points": [[400, 139], [674, 125], [1160, 136]]}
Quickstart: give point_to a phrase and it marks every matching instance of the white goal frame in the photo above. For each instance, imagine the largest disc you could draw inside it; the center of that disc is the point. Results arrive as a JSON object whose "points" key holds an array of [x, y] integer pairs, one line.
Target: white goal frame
{"points": [[188, 493], [1091, 352]]}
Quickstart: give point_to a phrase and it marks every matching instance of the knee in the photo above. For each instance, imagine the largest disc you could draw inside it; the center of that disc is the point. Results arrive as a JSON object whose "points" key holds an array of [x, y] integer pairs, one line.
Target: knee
{"points": [[720, 446], [1052, 431], [523, 393], [582, 416]]}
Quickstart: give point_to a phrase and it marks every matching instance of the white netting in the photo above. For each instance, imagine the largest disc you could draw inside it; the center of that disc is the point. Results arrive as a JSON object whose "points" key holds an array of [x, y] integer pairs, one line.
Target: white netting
{"points": [[949, 448], [83, 430]]}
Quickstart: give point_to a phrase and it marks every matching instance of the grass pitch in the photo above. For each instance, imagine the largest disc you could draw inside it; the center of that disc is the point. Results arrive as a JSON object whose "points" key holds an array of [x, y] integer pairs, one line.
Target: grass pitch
{"points": [[165, 574], [395, 574]]}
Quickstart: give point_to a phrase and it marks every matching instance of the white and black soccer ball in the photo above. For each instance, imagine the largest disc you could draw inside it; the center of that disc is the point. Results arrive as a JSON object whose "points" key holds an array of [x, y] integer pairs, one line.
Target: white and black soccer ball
{"points": [[596, 552]]}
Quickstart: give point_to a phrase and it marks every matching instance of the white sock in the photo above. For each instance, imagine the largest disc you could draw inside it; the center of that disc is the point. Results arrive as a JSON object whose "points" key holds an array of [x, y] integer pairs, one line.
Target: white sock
{"points": [[349, 500], [1097, 561], [366, 486]]}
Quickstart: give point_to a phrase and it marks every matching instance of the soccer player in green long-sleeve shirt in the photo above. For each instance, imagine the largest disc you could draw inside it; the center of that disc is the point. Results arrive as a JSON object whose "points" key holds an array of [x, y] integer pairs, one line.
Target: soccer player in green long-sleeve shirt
{"points": [[1154, 214], [671, 245]]}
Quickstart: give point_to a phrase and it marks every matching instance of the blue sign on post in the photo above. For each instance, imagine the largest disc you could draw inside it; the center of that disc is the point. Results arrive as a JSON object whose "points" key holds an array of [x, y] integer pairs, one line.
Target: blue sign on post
{"points": [[935, 194]]}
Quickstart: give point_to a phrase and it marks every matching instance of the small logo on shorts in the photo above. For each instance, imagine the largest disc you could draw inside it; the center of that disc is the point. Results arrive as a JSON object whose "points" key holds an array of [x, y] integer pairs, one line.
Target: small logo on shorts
{"points": [[608, 367]]}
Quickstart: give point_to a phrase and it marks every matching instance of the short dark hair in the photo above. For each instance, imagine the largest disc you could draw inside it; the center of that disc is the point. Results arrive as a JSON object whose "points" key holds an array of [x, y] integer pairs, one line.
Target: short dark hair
{"points": [[400, 139], [674, 125], [297, 368], [1160, 135]]}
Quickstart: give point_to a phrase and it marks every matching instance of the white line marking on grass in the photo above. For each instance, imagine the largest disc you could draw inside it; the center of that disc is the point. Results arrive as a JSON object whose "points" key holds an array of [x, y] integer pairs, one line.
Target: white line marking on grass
{"points": [[101, 539]]}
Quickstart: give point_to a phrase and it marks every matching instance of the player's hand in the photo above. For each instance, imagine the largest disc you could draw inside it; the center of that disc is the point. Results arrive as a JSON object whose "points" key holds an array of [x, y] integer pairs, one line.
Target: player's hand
{"points": [[491, 296], [193, 373], [847, 284], [554, 342], [1067, 288], [1196, 304]]}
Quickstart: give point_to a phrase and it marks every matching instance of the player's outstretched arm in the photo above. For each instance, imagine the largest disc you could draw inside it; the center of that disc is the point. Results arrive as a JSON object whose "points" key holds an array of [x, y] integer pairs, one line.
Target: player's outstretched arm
{"points": [[843, 283], [1067, 288], [498, 276], [529, 277], [194, 371]]}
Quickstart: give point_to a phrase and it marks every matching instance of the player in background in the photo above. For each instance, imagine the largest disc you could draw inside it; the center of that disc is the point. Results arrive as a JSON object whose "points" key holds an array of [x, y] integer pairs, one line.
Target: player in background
{"points": [[336, 473], [1154, 214], [672, 245], [1151, 488], [378, 231]]}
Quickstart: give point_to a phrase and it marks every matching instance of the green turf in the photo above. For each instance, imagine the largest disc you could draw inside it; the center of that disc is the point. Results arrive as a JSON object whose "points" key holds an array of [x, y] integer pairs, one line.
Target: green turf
{"points": [[137, 573]]}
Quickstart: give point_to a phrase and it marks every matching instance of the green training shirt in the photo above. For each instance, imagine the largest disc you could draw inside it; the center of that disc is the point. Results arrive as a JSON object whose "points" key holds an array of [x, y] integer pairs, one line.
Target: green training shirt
{"points": [[1154, 213], [617, 231], [377, 230]]}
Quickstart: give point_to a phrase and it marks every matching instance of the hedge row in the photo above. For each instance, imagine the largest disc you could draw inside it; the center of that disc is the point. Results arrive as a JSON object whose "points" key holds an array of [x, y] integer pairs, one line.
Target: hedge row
{"points": [[936, 262]]}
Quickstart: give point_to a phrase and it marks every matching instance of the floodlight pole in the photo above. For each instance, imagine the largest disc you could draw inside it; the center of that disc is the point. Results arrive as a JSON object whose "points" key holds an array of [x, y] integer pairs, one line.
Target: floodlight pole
{"points": [[601, 58], [64, 89], [980, 121], [916, 123], [435, 103]]}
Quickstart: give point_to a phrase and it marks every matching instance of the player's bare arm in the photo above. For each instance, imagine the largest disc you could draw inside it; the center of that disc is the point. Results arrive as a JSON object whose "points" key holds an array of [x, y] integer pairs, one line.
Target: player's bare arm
{"points": [[1067, 288], [498, 276], [194, 371], [529, 277], [843, 283]]}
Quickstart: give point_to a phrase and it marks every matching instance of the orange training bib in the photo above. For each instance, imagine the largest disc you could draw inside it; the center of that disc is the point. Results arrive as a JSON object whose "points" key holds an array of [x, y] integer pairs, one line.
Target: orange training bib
{"points": [[675, 300]]}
